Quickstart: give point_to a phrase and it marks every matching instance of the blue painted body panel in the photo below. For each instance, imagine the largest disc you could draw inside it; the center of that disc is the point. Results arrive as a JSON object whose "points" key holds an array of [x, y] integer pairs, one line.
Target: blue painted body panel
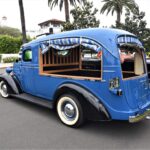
{"points": [[135, 98]]}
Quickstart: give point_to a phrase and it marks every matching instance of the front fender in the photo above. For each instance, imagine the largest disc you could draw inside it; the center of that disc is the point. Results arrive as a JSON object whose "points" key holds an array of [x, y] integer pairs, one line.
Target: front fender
{"points": [[10, 81], [88, 95]]}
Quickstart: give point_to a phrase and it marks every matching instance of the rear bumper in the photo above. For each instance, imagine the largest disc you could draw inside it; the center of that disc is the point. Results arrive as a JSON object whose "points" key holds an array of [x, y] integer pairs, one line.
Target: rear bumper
{"points": [[139, 117]]}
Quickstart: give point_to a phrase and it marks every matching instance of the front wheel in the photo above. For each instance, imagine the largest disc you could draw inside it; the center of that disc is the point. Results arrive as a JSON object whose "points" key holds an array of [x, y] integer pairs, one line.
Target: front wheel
{"points": [[4, 89], [70, 111]]}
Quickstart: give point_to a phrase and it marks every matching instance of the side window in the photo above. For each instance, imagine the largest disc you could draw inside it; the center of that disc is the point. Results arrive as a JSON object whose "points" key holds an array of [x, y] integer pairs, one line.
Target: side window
{"points": [[62, 53], [88, 54], [27, 55], [91, 60]]}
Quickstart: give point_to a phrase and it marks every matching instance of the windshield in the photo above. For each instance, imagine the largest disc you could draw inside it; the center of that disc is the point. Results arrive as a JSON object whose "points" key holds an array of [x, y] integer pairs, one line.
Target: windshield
{"points": [[132, 61]]}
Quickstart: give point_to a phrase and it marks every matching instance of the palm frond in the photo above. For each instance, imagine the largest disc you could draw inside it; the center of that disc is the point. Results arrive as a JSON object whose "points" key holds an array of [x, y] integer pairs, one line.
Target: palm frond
{"points": [[52, 3], [61, 5]]}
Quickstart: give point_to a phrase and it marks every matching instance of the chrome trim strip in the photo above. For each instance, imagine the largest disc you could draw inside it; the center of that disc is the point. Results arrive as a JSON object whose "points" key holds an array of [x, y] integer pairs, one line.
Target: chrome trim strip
{"points": [[137, 118]]}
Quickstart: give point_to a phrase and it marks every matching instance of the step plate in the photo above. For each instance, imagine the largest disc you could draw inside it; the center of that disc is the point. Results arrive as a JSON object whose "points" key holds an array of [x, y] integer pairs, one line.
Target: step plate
{"points": [[34, 99]]}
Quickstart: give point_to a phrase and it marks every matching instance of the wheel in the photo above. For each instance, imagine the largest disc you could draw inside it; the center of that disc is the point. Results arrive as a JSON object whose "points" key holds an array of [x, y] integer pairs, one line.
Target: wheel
{"points": [[70, 110], [4, 89]]}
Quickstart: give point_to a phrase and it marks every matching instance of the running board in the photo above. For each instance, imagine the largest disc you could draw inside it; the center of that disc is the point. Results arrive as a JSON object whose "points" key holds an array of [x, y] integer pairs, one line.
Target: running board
{"points": [[34, 99]]}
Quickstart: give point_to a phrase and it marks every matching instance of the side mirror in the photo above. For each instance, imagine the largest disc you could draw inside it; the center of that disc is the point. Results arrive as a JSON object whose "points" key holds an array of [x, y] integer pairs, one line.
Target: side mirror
{"points": [[17, 60]]}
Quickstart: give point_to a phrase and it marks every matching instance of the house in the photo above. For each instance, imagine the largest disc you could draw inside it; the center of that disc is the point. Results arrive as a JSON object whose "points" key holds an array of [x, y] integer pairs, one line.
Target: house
{"points": [[51, 26]]}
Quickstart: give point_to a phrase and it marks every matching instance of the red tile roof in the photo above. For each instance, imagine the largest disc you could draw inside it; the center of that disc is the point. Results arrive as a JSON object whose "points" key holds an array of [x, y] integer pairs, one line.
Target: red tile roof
{"points": [[54, 21]]}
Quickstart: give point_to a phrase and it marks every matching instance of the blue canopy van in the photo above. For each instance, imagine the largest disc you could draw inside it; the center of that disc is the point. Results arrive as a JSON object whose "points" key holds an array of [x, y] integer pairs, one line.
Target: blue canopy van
{"points": [[96, 74]]}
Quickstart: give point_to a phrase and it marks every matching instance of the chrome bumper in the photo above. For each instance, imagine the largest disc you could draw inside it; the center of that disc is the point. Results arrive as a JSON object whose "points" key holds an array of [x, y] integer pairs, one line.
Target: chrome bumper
{"points": [[133, 119]]}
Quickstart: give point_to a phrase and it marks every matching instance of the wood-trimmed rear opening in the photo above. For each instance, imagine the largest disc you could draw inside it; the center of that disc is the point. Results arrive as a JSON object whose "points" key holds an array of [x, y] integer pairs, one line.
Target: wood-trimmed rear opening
{"points": [[132, 62], [69, 66]]}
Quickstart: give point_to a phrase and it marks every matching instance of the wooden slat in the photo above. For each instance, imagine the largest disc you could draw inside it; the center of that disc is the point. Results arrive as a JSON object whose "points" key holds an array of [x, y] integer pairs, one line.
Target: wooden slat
{"points": [[64, 70], [69, 64], [45, 58], [66, 60], [56, 59], [52, 56], [80, 60], [127, 71], [73, 77], [48, 57], [63, 60], [134, 77], [76, 55], [91, 70], [40, 62], [71, 56]]}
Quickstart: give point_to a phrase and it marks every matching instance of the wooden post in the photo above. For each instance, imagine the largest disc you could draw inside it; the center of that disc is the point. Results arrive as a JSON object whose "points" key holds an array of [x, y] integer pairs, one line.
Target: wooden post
{"points": [[40, 61], [52, 56], [80, 59], [49, 57], [73, 55]]}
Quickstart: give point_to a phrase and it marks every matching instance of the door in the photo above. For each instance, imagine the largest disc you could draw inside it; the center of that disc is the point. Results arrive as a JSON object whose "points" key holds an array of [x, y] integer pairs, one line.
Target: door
{"points": [[27, 71]]}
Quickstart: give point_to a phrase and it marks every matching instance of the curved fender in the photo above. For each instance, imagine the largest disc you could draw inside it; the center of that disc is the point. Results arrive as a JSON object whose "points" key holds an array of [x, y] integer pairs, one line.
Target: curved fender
{"points": [[87, 95], [9, 79]]}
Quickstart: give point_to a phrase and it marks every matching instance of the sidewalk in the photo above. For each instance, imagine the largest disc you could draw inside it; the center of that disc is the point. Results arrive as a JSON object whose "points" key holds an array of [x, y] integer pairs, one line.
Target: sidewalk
{"points": [[5, 65]]}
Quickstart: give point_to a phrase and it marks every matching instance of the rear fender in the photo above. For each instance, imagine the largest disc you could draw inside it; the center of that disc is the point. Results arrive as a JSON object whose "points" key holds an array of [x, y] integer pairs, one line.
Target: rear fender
{"points": [[87, 95]]}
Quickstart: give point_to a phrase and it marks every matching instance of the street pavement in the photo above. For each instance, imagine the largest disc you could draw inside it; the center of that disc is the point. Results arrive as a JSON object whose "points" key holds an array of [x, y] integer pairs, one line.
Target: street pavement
{"points": [[5, 65], [27, 126]]}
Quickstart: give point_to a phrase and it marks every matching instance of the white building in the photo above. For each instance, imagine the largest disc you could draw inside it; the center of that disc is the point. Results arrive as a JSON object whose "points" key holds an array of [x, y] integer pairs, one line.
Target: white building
{"points": [[3, 21], [50, 26]]}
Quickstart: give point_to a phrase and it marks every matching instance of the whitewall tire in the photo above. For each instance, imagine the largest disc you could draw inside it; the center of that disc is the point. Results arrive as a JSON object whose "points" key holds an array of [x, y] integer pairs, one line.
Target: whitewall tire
{"points": [[70, 110], [4, 89]]}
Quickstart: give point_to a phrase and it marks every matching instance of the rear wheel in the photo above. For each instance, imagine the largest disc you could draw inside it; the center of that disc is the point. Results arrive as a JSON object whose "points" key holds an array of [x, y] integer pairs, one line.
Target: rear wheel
{"points": [[70, 110], [4, 89]]}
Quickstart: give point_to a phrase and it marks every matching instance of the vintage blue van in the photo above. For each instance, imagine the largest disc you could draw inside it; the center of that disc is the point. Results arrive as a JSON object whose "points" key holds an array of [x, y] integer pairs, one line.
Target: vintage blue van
{"points": [[96, 74]]}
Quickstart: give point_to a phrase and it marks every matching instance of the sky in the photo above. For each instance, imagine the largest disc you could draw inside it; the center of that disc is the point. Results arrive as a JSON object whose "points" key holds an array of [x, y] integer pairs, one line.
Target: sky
{"points": [[37, 11]]}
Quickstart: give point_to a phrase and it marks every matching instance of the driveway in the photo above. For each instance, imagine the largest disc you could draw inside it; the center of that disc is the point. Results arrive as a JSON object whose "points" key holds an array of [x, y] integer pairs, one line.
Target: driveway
{"points": [[27, 126]]}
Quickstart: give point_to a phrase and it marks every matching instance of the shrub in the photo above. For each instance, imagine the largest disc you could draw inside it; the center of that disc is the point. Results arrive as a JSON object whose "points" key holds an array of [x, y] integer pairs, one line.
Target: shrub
{"points": [[9, 59], [9, 44], [4, 30]]}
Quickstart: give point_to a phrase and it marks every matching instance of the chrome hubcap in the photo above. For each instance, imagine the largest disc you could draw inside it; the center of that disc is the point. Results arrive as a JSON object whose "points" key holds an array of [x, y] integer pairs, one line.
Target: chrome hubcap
{"points": [[4, 89], [69, 110]]}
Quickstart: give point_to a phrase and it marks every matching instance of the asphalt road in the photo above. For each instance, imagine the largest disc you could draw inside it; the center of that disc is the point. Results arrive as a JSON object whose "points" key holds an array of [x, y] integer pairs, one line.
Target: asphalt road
{"points": [[27, 126]]}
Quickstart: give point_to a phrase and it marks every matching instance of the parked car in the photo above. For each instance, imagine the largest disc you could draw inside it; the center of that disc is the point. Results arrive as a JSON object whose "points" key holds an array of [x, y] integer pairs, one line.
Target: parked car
{"points": [[95, 74]]}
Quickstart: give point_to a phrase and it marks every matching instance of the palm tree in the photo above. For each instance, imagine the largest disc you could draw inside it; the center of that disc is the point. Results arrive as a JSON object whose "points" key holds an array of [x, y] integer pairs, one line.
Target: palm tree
{"points": [[24, 39], [65, 3], [117, 6]]}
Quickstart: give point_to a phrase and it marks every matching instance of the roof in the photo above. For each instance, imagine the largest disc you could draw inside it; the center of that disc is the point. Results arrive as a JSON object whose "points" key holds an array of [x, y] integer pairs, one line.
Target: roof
{"points": [[54, 21], [107, 37]]}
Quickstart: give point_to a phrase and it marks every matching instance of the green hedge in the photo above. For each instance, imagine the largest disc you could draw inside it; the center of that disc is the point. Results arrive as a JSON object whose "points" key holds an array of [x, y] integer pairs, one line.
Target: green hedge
{"points": [[9, 59], [9, 44]]}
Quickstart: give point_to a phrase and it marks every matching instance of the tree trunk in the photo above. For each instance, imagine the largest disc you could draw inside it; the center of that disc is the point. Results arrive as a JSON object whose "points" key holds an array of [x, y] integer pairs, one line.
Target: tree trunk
{"points": [[118, 18], [66, 3], [24, 39]]}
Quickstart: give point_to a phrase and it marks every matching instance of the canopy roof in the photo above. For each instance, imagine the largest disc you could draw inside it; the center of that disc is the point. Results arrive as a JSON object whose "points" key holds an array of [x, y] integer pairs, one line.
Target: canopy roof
{"points": [[128, 39], [106, 38], [69, 43]]}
